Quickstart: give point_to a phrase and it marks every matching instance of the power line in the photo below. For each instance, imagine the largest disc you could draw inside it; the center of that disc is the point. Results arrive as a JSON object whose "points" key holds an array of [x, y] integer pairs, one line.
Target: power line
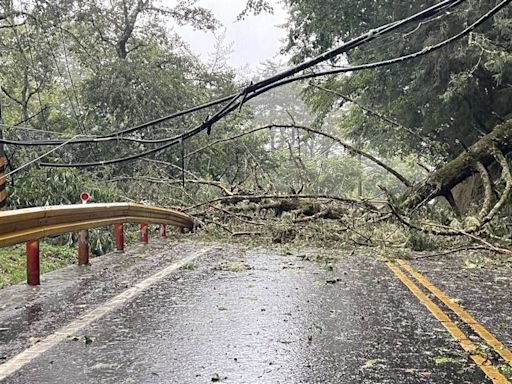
{"points": [[231, 106], [34, 160], [307, 76], [400, 59], [354, 43], [369, 36]]}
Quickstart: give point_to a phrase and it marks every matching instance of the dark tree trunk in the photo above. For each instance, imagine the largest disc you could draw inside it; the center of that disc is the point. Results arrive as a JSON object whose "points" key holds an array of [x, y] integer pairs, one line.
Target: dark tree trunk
{"points": [[456, 171]]}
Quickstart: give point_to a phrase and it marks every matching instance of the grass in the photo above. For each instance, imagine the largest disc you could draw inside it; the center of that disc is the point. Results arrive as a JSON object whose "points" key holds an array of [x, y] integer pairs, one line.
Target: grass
{"points": [[13, 262], [57, 252]]}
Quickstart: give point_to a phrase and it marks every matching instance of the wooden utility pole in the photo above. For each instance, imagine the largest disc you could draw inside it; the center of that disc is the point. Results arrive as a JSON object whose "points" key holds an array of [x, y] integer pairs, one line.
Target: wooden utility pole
{"points": [[3, 164]]}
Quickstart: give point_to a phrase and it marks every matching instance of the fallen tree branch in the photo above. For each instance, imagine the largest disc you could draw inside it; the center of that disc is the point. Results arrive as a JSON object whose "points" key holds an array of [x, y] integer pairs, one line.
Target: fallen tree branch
{"points": [[507, 177], [373, 112], [486, 182], [348, 147], [211, 183], [455, 250], [237, 217], [447, 231], [256, 198], [462, 167]]}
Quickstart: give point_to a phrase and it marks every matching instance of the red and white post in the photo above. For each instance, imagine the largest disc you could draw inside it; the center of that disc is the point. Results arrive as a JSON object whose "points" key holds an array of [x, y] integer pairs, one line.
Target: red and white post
{"points": [[119, 235], [163, 231], [83, 247]]}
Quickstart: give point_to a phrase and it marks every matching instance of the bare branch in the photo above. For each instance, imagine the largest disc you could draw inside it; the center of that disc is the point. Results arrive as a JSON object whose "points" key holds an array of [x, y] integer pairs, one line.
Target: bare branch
{"points": [[486, 181], [348, 147]]}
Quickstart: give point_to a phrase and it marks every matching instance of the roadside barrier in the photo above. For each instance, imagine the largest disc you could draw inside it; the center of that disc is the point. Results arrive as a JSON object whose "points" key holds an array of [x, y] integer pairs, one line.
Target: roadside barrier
{"points": [[29, 225]]}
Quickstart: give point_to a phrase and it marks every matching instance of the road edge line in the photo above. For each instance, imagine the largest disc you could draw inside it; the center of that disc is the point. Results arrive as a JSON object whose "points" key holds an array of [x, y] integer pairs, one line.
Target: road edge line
{"points": [[23, 358]]}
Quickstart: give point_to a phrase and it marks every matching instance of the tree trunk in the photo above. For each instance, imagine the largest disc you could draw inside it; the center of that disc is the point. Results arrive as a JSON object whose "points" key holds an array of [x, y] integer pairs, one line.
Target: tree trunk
{"points": [[456, 171]]}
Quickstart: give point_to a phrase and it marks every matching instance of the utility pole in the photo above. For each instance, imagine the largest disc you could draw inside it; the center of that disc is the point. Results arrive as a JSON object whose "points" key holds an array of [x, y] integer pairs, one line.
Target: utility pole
{"points": [[3, 163]]}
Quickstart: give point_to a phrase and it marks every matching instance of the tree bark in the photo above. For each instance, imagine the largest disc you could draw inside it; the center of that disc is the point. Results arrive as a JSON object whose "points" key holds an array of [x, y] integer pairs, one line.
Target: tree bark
{"points": [[456, 171]]}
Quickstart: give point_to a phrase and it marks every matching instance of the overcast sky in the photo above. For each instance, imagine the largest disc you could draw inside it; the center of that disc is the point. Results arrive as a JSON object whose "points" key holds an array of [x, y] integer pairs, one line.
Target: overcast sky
{"points": [[255, 39]]}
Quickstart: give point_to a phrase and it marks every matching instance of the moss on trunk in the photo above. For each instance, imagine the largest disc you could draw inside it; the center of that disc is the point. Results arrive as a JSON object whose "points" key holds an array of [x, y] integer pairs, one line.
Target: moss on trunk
{"points": [[459, 169]]}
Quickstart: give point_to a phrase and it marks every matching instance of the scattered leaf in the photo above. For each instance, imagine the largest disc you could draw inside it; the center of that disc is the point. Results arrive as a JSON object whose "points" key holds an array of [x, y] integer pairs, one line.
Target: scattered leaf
{"points": [[373, 363], [440, 360], [100, 366]]}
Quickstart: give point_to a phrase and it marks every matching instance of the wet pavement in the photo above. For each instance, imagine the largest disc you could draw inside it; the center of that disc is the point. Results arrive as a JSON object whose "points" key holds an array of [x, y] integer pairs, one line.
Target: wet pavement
{"points": [[238, 315], [485, 292]]}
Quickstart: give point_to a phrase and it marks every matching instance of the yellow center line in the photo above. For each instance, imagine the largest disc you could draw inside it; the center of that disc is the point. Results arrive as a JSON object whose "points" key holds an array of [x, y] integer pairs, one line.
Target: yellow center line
{"points": [[464, 316], [491, 372]]}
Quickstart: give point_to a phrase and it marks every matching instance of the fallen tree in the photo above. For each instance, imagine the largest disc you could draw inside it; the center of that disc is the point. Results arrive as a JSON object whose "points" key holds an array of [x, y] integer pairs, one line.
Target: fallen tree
{"points": [[442, 181], [358, 217]]}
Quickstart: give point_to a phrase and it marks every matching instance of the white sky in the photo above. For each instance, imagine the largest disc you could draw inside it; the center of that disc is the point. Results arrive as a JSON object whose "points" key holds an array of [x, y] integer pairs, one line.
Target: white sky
{"points": [[255, 39]]}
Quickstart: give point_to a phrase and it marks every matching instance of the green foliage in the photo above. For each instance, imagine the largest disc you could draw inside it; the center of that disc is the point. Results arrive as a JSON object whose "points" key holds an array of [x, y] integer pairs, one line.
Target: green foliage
{"points": [[256, 7], [13, 262], [458, 93], [40, 187], [418, 241]]}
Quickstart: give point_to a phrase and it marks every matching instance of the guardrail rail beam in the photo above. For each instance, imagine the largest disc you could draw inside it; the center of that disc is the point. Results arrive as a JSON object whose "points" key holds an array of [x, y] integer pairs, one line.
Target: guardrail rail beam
{"points": [[29, 225]]}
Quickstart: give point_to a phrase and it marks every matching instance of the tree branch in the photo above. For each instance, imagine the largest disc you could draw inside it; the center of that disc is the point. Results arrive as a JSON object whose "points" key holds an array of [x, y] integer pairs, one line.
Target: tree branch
{"points": [[348, 147]]}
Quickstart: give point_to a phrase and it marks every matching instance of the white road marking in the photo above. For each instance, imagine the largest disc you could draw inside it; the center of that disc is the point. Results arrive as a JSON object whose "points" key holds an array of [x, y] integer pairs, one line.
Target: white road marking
{"points": [[25, 357]]}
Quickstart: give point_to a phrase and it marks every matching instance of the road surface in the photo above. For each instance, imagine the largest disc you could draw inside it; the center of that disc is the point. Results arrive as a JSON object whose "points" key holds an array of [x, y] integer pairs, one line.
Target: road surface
{"points": [[189, 312]]}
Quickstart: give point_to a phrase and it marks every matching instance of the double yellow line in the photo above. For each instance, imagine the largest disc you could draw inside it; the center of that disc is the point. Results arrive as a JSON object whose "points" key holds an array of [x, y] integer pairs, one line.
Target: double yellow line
{"points": [[400, 268]]}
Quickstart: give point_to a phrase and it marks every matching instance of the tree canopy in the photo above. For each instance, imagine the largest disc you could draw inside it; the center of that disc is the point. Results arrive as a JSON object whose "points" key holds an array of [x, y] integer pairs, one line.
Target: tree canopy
{"points": [[450, 98]]}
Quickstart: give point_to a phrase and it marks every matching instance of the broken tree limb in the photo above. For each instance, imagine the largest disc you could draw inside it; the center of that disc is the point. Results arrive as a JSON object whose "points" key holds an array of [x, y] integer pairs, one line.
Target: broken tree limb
{"points": [[345, 145], [486, 182], [256, 198], [374, 113], [507, 177], [211, 183]]}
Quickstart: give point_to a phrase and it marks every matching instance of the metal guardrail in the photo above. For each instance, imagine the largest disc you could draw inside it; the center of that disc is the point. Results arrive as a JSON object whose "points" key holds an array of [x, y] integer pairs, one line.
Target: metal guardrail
{"points": [[27, 224], [31, 224]]}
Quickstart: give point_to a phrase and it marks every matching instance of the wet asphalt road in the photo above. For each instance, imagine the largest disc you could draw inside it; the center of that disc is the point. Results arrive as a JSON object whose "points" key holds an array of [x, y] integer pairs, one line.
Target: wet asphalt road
{"points": [[242, 316]]}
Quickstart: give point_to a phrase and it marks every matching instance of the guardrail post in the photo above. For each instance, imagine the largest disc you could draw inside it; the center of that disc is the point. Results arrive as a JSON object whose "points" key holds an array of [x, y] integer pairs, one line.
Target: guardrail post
{"points": [[179, 230], [144, 235], [119, 235], [83, 247], [163, 231], [33, 266]]}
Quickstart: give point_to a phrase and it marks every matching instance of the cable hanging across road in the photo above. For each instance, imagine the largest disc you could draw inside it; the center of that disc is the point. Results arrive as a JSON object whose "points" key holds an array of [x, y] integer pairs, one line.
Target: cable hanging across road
{"points": [[235, 101], [244, 93], [234, 106], [354, 43]]}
